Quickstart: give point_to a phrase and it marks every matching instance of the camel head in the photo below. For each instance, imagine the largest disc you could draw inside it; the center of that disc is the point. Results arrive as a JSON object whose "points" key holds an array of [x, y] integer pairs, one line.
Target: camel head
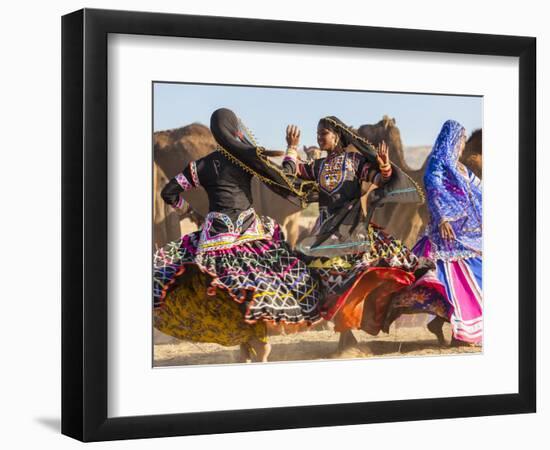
{"points": [[385, 130], [174, 149], [312, 152]]}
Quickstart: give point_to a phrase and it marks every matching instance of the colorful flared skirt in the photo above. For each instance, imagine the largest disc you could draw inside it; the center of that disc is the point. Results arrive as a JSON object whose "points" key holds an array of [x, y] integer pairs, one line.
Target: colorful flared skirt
{"points": [[262, 279], [425, 296], [360, 289], [188, 312], [461, 278]]}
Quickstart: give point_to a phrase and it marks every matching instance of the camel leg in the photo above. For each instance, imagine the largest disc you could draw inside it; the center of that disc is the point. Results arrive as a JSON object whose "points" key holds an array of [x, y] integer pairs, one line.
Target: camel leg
{"points": [[435, 326], [291, 226]]}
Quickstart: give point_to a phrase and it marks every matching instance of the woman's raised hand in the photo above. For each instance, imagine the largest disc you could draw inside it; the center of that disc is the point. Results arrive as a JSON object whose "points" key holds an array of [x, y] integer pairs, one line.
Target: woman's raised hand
{"points": [[383, 156], [292, 135]]}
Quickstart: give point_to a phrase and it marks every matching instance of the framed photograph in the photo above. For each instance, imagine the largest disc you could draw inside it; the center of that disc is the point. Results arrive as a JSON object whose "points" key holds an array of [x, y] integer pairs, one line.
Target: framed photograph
{"points": [[273, 225]]}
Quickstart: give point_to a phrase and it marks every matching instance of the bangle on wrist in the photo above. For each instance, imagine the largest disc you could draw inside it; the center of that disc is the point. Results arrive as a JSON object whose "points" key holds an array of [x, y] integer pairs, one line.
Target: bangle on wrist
{"points": [[181, 204], [292, 151], [386, 172]]}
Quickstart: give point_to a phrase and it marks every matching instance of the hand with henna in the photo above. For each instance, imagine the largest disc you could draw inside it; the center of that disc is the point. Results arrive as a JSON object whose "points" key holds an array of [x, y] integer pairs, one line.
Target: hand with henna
{"points": [[292, 136], [383, 156], [446, 230]]}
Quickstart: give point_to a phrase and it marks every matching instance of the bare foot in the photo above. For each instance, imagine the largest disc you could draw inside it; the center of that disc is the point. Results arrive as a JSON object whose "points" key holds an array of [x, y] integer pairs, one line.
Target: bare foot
{"points": [[245, 353], [260, 349], [347, 340], [459, 343]]}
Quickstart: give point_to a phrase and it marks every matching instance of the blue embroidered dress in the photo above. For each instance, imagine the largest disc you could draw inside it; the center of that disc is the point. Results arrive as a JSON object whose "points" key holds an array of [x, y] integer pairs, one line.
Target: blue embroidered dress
{"points": [[454, 196]]}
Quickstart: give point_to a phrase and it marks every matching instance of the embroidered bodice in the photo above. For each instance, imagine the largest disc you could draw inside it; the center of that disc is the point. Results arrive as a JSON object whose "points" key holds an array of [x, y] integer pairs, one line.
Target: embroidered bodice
{"points": [[219, 232], [339, 176]]}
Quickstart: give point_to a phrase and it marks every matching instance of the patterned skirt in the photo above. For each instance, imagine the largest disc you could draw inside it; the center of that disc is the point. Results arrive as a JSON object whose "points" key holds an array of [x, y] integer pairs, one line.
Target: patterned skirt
{"points": [[189, 313], [461, 281], [369, 290], [202, 291]]}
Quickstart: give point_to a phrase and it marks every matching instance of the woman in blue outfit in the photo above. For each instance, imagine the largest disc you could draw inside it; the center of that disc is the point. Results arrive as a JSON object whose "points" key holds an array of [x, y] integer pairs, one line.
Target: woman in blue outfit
{"points": [[454, 234]]}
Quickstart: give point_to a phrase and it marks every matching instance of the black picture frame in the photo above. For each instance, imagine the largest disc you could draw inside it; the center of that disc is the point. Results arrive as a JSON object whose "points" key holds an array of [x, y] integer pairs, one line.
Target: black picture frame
{"points": [[84, 224]]}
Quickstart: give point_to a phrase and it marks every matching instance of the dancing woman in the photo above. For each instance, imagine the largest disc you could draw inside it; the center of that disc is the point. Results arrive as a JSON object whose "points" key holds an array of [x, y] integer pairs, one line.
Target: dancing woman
{"points": [[360, 265], [223, 282], [454, 234]]}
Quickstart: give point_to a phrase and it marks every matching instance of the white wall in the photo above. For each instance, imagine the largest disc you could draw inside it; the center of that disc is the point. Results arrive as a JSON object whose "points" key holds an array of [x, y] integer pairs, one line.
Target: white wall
{"points": [[30, 106]]}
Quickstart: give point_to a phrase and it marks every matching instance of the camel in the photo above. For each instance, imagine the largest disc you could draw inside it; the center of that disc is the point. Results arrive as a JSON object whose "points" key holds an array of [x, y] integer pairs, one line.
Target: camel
{"points": [[407, 221]]}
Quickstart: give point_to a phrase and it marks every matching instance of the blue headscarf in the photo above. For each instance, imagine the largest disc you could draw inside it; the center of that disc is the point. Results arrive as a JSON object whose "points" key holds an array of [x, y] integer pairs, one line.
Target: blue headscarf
{"points": [[452, 196]]}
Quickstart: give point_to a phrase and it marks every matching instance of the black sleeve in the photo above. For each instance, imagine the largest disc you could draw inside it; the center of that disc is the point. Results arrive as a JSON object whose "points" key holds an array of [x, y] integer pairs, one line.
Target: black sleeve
{"points": [[205, 170], [189, 178]]}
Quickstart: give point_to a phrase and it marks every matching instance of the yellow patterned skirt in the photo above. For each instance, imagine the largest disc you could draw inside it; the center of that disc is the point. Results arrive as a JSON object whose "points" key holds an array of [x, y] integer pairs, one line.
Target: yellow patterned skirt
{"points": [[190, 313]]}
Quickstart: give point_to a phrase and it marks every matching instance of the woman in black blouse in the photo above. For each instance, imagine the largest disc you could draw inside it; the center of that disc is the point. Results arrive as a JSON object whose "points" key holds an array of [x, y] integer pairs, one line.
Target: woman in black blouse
{"points": [[224, 282]]}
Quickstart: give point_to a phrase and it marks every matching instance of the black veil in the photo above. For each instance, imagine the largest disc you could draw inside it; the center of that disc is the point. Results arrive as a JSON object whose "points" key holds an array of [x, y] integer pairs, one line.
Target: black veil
{"points": [[239, 145]]}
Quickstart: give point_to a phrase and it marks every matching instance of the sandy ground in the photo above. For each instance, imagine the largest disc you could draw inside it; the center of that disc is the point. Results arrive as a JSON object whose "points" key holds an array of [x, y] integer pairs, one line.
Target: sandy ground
{"points": [[311, 345]]}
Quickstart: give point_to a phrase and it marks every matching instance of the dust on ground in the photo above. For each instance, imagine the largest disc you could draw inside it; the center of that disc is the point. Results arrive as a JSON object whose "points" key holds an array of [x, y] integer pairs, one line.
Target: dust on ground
{"points": [[312, 345]]}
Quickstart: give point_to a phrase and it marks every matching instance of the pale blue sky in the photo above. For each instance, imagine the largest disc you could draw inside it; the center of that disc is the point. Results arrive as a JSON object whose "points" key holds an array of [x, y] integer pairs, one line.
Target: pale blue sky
{"points": [[267, 111]]}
